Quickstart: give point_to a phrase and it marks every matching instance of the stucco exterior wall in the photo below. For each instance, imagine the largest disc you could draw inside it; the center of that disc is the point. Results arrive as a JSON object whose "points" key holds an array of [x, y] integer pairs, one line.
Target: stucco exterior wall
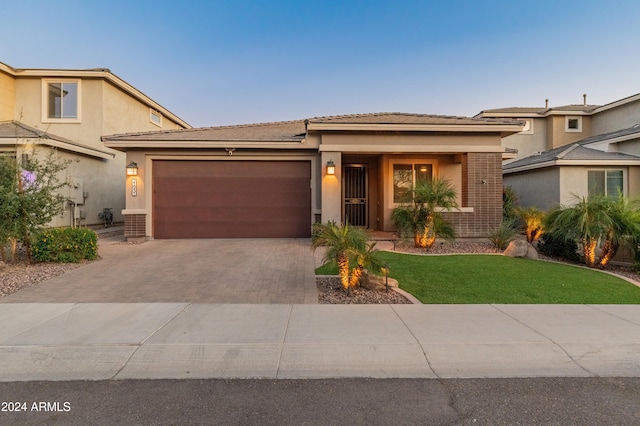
{"points": [[417, 142], [104, 109], [575, 182], [557, 134], [7, 97], [634, 182], [616, 118], [528, 144], [539, 188], [629, 147]]}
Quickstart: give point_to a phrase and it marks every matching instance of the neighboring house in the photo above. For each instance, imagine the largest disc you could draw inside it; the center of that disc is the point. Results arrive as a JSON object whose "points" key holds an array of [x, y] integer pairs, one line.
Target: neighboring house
{"points": [[573, 151], [69, 110], [276, 179]]}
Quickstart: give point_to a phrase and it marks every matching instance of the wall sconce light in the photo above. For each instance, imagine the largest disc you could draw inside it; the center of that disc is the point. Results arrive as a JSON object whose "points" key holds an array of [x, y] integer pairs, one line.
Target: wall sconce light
{"points": [[132, 169], [331, 167]]}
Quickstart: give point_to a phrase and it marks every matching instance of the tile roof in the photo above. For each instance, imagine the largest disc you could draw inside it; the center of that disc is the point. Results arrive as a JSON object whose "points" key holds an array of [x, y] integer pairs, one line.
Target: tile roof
{"points": [[286, 131], [17, 130], [292, 131], [516, 110], [406, 118], [627, 133], [540, 110], [575, 152]]}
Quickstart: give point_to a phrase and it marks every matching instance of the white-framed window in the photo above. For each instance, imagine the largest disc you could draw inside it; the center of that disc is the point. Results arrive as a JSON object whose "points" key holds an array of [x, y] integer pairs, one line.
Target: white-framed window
{"points": [[609, 182], [61, 100], [155, 117], [528, 126], [572, 124], [406, 174]]}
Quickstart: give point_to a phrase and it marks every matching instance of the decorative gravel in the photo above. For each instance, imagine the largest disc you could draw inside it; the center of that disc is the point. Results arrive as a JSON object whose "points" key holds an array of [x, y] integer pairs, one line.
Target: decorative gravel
{"points": [[331, 292], [13, 277]]}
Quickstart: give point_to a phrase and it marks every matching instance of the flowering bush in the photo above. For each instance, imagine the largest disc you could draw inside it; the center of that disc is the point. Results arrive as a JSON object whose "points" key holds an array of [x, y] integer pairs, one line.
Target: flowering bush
{"points": [[64, 245]]}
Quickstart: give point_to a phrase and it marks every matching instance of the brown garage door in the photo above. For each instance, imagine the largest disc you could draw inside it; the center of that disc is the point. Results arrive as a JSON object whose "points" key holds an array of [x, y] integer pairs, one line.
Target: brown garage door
{"points": [[231, 199]]}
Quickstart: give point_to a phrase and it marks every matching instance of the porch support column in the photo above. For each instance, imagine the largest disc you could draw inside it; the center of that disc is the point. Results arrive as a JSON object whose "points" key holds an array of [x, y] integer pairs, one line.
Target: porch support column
{"points": [[331, 187]]}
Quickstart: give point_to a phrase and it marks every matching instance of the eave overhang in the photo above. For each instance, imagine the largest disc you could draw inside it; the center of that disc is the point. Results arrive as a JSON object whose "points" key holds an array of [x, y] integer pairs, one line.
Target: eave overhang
{"points": [[124, 145], [580, 163], [503, 129], [66, 146]]}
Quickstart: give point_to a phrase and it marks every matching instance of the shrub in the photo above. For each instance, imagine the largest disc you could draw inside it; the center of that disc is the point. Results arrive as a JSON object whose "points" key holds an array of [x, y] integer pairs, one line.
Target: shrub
{"points": [[557, 245], [503, 234], [509, 203], [64, 245], [635, 246]]}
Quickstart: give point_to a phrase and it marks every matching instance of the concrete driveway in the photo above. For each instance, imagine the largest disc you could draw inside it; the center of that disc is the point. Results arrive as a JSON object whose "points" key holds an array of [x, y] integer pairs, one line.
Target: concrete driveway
{"points": [[186, 271]]}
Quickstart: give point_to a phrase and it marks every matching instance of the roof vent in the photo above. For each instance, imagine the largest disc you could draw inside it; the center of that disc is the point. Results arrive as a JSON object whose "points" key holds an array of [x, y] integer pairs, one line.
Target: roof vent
{"points": [[584, 99], [546, 103]]}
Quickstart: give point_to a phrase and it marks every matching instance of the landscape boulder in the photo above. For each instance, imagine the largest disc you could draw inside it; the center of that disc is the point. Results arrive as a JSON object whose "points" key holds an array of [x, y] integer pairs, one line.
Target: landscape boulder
{"points": [[375, 282], [521, 248]]}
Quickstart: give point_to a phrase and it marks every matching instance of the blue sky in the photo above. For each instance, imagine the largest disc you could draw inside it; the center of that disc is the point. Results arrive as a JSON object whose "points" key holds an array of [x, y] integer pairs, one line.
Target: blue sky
{"points": [[239, 61]]}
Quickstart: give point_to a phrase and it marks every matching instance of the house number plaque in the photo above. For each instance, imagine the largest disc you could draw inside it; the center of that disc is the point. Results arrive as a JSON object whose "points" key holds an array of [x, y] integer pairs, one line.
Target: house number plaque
{"points": [[134, 187]]}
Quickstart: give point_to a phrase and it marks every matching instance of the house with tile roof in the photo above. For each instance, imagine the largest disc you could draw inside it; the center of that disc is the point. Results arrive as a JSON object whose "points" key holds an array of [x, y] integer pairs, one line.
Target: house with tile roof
{"points": [[276, 179], [573, 150], [68, 111]]}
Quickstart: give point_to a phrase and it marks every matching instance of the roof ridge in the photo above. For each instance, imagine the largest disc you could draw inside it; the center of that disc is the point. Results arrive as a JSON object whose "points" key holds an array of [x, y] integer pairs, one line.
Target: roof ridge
{"points": [[566, 151]]}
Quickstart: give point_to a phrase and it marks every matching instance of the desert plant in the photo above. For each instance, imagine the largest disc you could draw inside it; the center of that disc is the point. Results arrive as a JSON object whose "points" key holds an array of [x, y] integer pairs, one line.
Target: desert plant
{"points": [[532, 219], [596, 219], [555, 244], [509, 203], [64, 245], [503, 234], [420, 213], [29, 197], [348, 247]]}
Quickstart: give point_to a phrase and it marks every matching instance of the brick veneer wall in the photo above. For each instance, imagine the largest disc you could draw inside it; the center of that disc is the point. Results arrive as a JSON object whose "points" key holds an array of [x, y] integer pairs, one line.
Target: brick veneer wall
{"points": [[135, 225], [485, 198]]}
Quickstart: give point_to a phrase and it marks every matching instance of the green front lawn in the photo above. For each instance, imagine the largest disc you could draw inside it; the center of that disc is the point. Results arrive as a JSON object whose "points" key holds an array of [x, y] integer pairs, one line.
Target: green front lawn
{"points": [[498, 279]]}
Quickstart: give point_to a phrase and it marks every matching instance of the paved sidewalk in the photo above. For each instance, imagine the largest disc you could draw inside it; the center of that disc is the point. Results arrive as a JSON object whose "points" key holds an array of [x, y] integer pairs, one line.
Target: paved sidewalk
{"points": [[107, 341]]}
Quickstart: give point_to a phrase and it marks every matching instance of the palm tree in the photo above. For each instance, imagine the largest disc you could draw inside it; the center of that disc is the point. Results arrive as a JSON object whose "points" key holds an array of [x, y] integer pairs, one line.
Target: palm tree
{"points": [[533, 222], [596, 219], [348, 247], [420, 213]]}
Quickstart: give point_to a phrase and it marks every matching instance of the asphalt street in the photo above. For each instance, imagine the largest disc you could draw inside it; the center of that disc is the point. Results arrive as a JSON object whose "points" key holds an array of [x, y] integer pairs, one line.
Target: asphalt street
{"points": [[532, 401]]}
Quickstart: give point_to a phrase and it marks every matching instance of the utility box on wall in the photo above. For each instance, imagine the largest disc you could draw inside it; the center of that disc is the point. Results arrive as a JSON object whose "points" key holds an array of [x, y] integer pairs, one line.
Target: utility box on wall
{"points": [[76, 191]]}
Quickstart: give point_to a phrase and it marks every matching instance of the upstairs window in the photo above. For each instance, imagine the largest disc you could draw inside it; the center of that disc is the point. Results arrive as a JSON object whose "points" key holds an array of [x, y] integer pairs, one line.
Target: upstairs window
{"points": [[155, 117], [60, 101], [605, 182], [573, 124]]}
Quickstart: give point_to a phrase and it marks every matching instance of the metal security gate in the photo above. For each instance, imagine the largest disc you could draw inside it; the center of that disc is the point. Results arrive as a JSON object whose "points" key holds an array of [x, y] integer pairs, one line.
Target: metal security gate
{"points": [[355, 190]]}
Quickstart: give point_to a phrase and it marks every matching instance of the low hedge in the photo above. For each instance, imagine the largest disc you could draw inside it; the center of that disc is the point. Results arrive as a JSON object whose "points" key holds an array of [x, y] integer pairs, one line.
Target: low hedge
{"points": [[64, 245]]}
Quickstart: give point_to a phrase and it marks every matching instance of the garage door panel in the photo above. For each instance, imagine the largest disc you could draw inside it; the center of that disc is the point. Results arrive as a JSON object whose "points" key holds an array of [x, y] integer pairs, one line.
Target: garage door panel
{"points": [[231, 199]]}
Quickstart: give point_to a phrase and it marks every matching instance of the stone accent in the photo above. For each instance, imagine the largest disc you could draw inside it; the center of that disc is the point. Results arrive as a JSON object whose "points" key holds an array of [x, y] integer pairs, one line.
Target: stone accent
{"points": [[376, 282], [135, 226], [521, 248]]}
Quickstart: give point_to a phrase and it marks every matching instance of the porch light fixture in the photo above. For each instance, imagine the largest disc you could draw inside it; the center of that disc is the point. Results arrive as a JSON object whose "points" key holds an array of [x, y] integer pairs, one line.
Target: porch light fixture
{"points": [[132, 169], [331, 167]]}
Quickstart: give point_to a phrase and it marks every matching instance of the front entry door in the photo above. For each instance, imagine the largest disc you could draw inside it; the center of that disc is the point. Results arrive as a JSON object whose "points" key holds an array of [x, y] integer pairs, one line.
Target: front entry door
{"points": [[355, 195]]}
